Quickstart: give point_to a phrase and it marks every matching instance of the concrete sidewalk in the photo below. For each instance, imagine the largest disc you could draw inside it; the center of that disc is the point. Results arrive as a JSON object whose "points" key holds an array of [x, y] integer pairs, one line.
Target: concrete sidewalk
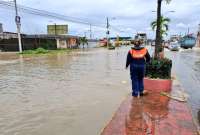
{"points": [[153, 114]]}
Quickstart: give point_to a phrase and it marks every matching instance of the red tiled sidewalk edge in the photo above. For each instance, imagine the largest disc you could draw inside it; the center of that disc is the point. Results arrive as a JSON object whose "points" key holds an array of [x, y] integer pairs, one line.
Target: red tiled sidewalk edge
{"points": [[153, 114]]}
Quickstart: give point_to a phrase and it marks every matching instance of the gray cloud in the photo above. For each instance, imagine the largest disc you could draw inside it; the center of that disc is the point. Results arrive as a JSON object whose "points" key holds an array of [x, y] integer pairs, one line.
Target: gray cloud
{"points": [[131, 15]]}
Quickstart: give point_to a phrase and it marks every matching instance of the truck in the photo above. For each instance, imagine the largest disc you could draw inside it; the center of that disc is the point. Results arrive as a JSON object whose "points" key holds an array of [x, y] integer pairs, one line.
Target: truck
{"points": [[188, 41]]}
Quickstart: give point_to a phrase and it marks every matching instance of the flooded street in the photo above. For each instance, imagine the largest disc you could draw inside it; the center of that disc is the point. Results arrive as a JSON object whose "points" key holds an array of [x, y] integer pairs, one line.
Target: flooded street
{"points": [[187, 67], [61, 94], [75, 93]]}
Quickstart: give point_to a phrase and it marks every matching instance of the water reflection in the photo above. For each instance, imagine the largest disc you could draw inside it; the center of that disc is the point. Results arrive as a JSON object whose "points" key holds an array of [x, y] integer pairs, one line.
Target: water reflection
{"points": [[145, 114]]}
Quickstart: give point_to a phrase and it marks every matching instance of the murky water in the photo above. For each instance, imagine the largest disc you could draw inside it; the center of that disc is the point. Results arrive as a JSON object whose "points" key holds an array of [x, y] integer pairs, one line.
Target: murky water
{"points": [[62, 94], [75, 93]]}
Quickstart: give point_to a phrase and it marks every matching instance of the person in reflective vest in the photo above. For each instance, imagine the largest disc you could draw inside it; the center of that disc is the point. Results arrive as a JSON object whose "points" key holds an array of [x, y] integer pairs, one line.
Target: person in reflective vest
{"points": [[137, 58]]}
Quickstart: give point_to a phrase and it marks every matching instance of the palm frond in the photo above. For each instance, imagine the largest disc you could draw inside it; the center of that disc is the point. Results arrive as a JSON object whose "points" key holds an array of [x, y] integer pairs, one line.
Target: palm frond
{"points": [[166, 20], [166, 27], [164, 33], [168, 1], [154, 25]]}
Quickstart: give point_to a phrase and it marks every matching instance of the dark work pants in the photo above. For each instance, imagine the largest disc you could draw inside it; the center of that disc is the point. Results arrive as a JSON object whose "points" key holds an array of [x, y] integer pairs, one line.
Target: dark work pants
{"points": [[137, 76]]}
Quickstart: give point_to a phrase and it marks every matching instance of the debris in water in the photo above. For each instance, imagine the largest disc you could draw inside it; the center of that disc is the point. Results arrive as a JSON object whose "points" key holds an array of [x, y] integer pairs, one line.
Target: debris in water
{"points": [[124, 82], [180, 99]]}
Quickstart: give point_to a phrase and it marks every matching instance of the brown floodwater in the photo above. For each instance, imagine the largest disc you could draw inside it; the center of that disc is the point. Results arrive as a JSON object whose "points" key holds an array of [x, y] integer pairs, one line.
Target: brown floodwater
{"points": [[61, 94], [75, 93]]}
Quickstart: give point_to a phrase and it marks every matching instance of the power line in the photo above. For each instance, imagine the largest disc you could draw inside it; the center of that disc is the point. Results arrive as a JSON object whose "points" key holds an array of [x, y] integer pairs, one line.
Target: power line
{"points": [[38, 12], [44, 13], [116, 29]]}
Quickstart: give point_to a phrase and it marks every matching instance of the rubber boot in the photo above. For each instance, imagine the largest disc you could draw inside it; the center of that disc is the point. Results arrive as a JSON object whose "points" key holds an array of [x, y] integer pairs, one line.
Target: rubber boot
{"points": [[138, 95]]}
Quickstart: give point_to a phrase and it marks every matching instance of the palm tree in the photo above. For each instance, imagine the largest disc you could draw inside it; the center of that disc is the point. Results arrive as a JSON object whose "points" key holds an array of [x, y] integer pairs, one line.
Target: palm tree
{"points": [[83, 41], [158, 47], [163, 25]]}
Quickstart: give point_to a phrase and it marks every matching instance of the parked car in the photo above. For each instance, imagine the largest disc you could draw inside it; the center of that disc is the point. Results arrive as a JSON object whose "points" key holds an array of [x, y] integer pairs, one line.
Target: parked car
{"points": [[103, 43], [174, 46]]}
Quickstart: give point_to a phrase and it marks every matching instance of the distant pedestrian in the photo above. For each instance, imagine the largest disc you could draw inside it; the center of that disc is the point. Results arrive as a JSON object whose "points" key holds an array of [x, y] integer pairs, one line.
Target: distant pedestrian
{"points": [[137, 58]]}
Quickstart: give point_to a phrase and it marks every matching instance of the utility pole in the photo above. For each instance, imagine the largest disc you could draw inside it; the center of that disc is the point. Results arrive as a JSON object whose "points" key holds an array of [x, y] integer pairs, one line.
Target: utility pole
{"points": [[55, 27], [85, 34], [18, 23], [90, 31], [188, 30], [108, 32]]}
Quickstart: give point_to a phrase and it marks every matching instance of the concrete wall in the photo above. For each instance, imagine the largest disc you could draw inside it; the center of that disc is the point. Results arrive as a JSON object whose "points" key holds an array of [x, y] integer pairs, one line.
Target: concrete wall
{"points": [[72, 43], [34, 43], [27, 44], [9, 45], [61, 43], [67, 43]]}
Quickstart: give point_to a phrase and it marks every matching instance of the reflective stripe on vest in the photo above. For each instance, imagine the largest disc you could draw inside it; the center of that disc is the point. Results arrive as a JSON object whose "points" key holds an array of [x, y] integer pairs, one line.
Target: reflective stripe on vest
{"points": [[137, 54]]}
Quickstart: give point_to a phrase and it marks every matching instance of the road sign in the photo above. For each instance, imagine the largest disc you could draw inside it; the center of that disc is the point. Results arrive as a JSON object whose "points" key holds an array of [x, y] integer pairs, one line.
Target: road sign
{"points": [[18, 19]]}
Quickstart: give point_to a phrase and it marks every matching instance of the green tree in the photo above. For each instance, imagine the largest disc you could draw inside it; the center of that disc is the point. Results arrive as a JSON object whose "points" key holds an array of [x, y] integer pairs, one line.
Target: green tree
{"points": [[83, 41], [158, 47], [164, 26]]}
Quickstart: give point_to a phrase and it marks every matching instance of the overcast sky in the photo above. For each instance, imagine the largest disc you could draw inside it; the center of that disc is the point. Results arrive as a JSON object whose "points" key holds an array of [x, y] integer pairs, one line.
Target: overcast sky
{"points": [[131, 15]]}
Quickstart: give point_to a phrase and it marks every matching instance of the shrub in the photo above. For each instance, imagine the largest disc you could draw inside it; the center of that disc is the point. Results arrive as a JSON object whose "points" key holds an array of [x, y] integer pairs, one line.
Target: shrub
{"points": [[28, 52], [41, 51], [36, 51], [159, 68]]}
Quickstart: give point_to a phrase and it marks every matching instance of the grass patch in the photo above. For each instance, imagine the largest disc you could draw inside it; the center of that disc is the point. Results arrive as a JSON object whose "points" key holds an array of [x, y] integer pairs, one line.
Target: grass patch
{"points": [[36, 51], [44, 51]]}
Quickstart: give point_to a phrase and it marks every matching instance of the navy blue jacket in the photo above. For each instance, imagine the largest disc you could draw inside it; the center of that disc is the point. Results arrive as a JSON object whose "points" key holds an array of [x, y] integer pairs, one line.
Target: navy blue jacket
{"points": [[130, 60]]}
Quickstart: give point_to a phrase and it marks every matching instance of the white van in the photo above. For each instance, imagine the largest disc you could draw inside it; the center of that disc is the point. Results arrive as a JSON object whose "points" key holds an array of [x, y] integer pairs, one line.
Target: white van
{"points": [[174, 46]]}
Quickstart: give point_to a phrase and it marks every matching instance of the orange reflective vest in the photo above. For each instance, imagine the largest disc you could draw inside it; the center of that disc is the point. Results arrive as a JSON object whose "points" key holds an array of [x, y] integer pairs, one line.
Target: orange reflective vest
{"points": [[138, 54]]}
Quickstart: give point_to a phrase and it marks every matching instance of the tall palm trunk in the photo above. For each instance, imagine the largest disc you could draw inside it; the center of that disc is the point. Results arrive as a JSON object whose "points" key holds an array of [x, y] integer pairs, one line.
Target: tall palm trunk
{"points": [[158, 30]]}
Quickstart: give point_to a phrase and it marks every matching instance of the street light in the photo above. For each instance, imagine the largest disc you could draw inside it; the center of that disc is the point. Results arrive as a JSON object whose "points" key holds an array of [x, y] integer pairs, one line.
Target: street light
{"points": [[90, 31], [107, 27]]}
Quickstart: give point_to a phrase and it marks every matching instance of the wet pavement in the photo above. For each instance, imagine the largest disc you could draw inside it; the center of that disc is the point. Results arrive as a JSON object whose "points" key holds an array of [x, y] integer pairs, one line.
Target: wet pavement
{"points": [[153, 114], [75, 93], [187, 67]]}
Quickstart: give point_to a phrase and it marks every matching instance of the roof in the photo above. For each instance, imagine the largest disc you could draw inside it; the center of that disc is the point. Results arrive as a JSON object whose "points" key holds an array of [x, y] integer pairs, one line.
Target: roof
{"points": [[5, 32], [8, 35], [47, 36], [121, 37]]}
